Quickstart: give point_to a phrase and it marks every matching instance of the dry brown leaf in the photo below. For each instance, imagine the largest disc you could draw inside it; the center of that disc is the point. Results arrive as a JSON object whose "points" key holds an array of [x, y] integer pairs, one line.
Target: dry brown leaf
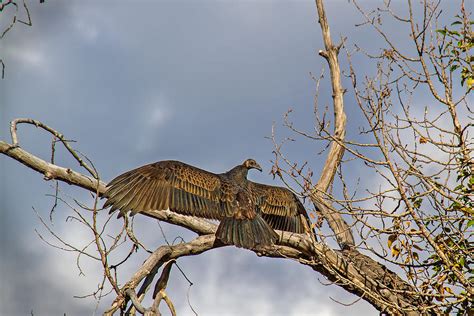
{"points": [[391, 239]]}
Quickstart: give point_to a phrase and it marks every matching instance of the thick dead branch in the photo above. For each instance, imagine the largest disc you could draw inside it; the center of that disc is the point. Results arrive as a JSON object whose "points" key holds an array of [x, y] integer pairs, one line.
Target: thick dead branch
{"points": [[69, 176], [336, 151], [159, 293], [159, 257]]}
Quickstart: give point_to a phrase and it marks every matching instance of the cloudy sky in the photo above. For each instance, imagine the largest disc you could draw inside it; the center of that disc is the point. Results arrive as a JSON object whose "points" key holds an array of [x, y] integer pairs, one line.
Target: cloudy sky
{"points": [[143, 81]]}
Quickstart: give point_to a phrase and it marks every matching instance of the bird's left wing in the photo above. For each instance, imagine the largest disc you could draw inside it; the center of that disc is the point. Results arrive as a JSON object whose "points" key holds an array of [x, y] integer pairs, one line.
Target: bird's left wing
{"points": [[280, 207]]}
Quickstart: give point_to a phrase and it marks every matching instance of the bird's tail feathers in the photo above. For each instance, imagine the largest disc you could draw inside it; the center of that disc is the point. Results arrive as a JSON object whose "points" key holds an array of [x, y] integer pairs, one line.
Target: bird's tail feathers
{"points": [[246, 233]]}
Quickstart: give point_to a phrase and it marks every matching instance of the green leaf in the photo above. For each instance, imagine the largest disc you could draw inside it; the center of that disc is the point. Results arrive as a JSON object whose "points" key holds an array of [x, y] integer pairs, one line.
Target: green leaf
{"points": [[453, 32], [453, 67], [455, 206], [442, 31], [470, 223], [456, 23]]}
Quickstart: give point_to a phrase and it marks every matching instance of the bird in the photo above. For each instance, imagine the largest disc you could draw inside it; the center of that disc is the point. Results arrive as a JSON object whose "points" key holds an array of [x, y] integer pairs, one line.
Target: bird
{"points": [[248, 212]]}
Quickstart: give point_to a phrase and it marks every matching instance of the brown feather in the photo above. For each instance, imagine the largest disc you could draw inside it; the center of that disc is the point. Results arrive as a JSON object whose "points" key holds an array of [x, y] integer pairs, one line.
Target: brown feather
{"points": [[248, 211], [280, 207], [167, 185]]}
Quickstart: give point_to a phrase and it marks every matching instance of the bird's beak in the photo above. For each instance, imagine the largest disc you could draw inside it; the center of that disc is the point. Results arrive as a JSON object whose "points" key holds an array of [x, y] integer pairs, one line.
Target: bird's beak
{"points": [[258, 168]]}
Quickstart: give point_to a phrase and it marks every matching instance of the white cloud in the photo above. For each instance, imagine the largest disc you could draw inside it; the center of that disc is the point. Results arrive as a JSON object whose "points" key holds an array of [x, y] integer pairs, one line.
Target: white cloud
{"points": [[158, 114], [154, 114], [27, 57], [86, 29]]}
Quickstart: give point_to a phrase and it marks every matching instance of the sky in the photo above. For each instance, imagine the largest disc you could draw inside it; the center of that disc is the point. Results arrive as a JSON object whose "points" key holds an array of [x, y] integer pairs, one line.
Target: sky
{"points": [[136, 82]]}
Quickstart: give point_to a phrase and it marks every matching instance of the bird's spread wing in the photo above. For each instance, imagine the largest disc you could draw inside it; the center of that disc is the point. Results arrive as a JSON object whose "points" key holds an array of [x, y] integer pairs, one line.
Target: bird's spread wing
{"points": [[280, 207], [171, 185]]}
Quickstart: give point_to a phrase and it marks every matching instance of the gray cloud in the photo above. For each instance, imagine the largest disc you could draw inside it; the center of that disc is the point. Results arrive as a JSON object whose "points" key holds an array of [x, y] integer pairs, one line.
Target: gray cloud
{"points": [[135, 83]]}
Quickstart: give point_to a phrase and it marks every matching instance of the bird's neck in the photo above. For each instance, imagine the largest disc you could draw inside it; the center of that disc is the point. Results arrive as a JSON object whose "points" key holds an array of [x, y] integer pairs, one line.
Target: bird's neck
{"points": [[238, 174]]}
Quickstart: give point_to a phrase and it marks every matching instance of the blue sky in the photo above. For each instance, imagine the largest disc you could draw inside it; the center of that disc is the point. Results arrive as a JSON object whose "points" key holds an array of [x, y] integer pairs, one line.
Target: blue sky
{"points": [[143, 81]]}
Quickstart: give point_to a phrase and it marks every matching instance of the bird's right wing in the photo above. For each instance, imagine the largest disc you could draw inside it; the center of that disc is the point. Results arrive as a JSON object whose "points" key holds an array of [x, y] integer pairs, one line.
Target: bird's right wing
{"points": [[172, 185]]}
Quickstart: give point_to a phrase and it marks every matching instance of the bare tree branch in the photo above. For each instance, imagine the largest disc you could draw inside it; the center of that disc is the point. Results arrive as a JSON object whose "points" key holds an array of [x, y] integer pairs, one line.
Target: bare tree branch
{"points": [[336, 222]]}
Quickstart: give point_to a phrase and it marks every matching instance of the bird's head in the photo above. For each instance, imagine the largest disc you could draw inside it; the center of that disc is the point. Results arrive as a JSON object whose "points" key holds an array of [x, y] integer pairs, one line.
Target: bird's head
{"points": [[251, 164]]}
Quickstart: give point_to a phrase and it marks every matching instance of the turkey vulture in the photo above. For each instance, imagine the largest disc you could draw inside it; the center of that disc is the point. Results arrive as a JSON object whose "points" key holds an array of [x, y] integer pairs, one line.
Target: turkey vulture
{"points": [[248, 211]]}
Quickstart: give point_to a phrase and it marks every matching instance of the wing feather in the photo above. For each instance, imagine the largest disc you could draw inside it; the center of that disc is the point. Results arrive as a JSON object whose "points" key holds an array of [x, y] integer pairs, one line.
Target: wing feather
{"points": [[151, 197], [114, 194], [280, 207], [169, 185]]}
